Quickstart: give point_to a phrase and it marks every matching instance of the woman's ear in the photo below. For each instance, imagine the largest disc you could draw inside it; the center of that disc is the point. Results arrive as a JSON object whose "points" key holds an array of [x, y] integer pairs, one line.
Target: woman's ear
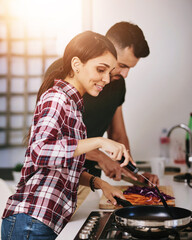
{"points": [[75, 64]]}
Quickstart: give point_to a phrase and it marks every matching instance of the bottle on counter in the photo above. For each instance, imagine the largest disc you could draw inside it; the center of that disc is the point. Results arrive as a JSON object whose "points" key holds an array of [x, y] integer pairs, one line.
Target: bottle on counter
{"points": [[187, 141], [164, 144], [179, 156]]}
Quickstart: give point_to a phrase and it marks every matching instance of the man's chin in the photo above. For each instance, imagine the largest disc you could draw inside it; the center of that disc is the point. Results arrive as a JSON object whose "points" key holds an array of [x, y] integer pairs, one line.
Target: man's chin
{"points": [[116, 77]]}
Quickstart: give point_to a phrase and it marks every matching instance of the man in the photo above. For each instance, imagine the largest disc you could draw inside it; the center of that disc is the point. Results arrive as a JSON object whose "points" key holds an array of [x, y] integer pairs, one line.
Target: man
{"points": [[104, 113]]}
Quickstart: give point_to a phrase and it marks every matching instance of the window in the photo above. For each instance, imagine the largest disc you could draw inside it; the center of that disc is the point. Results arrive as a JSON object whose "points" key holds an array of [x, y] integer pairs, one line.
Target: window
{"points": [[28, 45]]}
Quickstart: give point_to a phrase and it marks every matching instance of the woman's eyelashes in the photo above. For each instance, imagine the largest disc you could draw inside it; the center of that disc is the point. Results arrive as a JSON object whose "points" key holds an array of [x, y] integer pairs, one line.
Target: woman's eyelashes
{"points": [[100, 70], [103, 70]]}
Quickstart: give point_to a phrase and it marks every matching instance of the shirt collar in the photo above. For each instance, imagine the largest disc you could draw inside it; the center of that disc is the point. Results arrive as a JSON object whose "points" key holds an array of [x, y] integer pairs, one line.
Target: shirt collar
{"points": [[71, 92]]}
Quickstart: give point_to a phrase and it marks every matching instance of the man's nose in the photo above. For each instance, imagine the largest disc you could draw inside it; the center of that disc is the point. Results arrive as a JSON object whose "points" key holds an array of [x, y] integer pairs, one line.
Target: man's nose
{"points": [[124, 72]]}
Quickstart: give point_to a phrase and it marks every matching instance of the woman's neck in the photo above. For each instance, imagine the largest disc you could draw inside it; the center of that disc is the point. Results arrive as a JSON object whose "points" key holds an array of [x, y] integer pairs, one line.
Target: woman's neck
{"points": [[75, 83]]}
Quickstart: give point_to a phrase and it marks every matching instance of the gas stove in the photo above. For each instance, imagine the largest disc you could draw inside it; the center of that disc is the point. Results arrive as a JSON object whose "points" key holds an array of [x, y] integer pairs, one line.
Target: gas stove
{"points": [[101, 225]]}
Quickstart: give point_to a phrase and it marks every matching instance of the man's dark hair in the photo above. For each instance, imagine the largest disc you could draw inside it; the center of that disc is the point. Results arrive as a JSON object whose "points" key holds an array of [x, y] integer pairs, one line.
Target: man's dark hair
{"points": [[125, 34]]}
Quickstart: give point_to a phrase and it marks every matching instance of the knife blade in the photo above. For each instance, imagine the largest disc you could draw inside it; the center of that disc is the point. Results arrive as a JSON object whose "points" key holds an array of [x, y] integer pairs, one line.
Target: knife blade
{"points": [[130, 180]]}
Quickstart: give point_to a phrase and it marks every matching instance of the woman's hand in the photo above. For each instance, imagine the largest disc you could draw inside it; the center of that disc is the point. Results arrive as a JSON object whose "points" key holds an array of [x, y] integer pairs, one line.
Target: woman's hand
{"points": [[109, 191], [115, 150]]}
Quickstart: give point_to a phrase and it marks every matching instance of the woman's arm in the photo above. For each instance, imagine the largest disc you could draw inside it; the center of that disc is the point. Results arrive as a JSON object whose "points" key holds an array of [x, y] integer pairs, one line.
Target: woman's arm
{"points": [[114, 149]]}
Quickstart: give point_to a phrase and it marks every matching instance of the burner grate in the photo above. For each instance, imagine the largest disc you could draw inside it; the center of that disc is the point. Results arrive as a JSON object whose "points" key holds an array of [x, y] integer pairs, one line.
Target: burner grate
{"points": [[103, 227]]}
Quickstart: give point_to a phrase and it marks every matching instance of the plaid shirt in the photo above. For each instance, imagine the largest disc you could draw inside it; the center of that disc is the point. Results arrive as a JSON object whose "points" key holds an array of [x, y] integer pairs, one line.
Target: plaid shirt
{"points": [[50, 177]]}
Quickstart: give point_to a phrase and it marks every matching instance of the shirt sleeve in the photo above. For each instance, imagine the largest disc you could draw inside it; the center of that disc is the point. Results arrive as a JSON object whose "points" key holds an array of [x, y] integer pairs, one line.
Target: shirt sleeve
{"points": [[48, 146]]}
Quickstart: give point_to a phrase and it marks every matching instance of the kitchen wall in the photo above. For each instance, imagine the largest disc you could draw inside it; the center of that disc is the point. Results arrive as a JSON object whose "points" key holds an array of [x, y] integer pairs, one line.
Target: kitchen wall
{"points": [[159, 88]]}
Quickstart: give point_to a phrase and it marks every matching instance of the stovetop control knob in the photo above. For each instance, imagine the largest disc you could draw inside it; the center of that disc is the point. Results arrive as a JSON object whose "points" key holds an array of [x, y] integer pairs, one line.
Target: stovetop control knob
{"points": [[88, 231], [83, 235], [90, 225], [92, 222], [96, 218]]}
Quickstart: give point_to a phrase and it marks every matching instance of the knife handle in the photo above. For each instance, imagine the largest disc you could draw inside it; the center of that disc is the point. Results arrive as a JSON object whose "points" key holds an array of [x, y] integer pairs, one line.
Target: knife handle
{"points": [[129, 166]]}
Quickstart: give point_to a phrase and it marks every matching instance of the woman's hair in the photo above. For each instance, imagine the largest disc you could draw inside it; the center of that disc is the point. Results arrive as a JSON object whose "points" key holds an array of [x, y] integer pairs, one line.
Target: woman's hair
{"points": [[85, 46]]}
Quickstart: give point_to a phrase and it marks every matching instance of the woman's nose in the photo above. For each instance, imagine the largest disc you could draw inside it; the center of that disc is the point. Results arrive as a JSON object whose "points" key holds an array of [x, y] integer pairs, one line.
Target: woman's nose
{"points": [[106, 79]]}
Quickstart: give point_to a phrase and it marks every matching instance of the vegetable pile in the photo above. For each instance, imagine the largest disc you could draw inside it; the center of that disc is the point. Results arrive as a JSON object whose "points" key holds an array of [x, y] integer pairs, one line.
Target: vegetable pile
{"points": [[144, 195]]}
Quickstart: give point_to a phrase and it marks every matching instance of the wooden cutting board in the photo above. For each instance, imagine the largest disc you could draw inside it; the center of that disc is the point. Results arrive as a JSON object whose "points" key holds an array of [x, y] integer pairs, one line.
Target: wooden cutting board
{"points": [[104, 204]]}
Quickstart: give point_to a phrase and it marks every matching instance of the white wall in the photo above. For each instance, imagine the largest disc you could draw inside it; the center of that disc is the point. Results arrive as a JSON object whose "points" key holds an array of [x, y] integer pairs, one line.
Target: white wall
{"points": [[159, 88]]}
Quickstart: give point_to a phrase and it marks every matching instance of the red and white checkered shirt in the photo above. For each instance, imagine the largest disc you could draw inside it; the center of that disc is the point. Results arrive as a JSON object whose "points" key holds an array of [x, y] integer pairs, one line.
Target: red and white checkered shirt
{"points": [[50, 177]]}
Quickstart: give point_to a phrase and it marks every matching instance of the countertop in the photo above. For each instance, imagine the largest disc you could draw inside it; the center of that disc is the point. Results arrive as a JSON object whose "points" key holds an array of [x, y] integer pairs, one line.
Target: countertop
{"points": [[182, 193]]}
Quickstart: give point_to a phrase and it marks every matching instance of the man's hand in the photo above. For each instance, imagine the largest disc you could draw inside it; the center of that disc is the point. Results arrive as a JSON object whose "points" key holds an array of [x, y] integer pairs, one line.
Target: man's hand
{"points": [[152, 178], [113, 170]]}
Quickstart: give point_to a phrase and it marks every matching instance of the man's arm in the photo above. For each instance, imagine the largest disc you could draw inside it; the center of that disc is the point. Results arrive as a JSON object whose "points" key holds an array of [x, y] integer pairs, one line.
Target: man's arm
{"points": [[116, 130], [112, 169]]}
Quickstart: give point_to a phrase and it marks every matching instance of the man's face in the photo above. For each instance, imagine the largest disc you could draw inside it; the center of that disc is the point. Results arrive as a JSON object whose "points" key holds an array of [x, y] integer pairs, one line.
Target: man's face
{"points": [[125, 60]]}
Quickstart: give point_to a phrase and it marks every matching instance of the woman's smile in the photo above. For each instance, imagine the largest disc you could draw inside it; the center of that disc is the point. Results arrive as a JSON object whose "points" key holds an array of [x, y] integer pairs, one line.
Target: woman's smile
{"points": [[99, 87]]}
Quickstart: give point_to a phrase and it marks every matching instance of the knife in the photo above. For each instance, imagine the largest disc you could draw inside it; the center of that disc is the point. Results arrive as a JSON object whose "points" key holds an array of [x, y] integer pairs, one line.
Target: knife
{"points": [[135, 170], [128, 179]]}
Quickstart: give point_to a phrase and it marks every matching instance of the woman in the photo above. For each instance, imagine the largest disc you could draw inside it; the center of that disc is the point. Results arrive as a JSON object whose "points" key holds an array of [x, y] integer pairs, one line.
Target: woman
{"points": [[46, 194]]}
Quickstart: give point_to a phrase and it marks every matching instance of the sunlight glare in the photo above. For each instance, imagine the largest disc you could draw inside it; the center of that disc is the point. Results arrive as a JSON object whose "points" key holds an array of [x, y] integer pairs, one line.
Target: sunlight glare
{"points": [[53, 18]]}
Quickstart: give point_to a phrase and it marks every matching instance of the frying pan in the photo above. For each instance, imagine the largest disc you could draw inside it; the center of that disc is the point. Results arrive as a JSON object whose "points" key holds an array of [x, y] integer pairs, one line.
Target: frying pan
{"points": [[150, 221]]}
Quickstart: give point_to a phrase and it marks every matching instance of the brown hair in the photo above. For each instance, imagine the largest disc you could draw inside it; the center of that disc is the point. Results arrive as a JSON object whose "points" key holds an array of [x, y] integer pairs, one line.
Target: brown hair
{"points": [[126, 34], [85, 46]]}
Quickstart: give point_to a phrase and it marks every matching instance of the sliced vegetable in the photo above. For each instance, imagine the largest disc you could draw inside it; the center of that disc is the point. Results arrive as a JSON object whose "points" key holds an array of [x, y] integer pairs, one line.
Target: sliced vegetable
{"points": [[144, 195]]}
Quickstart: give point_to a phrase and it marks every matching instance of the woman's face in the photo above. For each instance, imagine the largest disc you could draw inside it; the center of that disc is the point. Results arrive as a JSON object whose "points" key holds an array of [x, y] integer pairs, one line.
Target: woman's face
{"points": [[95, 74]]}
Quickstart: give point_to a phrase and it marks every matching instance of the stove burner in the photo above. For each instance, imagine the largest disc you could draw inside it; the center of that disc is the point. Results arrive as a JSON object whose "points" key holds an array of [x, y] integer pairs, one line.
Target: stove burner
{"points": [[102, 226]]}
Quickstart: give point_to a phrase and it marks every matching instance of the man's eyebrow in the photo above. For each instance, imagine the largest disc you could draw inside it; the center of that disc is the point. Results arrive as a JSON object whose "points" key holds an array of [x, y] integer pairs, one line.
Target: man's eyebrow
{"points": [[124, 65]]}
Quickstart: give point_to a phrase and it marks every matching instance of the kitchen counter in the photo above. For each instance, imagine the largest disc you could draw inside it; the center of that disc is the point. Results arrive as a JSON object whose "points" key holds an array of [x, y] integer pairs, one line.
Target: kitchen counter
{"points": [[182, 193]]}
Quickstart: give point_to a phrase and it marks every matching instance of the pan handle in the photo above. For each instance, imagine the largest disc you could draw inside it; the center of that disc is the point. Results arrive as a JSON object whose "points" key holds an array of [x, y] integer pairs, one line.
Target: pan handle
{"points": [[122, 202]]}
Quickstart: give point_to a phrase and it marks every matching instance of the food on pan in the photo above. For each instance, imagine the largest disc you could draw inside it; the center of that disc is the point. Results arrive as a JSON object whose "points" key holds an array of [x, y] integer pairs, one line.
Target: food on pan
{"points": [[144, 196]]}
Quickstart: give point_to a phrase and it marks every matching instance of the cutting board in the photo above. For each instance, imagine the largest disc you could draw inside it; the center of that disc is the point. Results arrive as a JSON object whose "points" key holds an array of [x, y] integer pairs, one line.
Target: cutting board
{"points": [[104, 204]]}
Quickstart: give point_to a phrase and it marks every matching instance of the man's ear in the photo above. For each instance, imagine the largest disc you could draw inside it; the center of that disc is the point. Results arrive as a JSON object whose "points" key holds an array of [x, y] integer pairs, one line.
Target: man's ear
{"points": [[75, 64]]}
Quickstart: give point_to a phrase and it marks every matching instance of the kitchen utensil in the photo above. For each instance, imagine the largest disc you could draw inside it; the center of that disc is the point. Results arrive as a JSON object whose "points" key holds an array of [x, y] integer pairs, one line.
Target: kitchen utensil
{"points": [[134, 169], [134, 182], [164, 203], [122, 202], [150, 221]]}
